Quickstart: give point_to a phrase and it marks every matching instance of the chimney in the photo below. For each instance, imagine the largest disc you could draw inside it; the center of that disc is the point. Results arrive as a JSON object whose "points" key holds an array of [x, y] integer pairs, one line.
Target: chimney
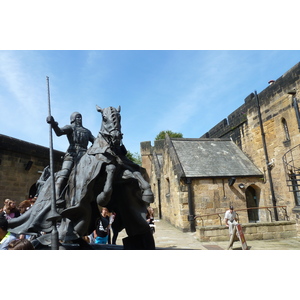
{"points": [[271, 82]]}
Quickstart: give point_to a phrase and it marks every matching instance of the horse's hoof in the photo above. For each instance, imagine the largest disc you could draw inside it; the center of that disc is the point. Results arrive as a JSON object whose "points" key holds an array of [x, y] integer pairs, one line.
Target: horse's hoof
{"points": [[102, 199], [148, 196]]}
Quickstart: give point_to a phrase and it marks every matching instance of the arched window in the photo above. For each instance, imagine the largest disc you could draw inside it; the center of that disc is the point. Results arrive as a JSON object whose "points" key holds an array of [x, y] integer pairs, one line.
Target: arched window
{"points": [[286, 129], [32, 191]]}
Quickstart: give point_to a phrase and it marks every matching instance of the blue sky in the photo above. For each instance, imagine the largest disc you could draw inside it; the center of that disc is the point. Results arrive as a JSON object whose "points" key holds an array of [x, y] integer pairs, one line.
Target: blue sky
{"points": [[184, 91]]}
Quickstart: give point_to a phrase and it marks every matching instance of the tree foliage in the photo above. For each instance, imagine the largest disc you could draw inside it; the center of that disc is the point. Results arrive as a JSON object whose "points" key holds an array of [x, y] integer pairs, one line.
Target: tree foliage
{"points": [[162, 134], [135, 157]]}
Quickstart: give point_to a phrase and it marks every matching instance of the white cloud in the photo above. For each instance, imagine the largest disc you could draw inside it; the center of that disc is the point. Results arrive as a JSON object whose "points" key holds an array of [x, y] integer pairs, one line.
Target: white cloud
{"points": [[23, 97]]}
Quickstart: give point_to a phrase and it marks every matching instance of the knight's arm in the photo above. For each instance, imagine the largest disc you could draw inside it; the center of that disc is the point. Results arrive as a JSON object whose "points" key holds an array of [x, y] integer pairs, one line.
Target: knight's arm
{"points": [[58, 131], [91, 138], [90, 135]]}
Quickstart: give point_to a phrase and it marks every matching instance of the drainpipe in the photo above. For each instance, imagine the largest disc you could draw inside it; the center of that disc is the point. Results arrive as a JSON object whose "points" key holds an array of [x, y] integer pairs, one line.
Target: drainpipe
{"points": [[191, 216], [295, 105], [266, 157], [159, 199]]}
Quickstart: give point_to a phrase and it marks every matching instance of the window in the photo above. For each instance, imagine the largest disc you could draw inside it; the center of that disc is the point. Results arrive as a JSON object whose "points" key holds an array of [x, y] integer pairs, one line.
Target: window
{"points": [[286, 129], [168, 188]]}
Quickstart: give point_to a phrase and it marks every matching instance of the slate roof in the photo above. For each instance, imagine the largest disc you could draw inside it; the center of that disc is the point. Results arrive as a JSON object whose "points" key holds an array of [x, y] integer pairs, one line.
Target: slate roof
{"points": [[211, 158]]}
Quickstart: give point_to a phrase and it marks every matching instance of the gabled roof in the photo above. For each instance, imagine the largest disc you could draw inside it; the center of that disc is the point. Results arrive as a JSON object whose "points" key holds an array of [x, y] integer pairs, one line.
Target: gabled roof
{"points": [[211, 158]]}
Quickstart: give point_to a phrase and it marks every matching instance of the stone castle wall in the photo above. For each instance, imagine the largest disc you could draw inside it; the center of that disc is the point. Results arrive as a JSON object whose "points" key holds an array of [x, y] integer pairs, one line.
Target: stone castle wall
{"points": [[254, 231], [243, 127], [16, 182]]}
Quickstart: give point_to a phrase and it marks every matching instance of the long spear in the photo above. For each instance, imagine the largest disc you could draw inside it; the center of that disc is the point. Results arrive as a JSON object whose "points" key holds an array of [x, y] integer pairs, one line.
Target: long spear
{"points": [[53, 215]]}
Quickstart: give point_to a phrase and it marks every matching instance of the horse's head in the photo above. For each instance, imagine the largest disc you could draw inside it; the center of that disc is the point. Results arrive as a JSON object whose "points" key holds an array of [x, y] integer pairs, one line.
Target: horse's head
{"points": [[111, 124]]}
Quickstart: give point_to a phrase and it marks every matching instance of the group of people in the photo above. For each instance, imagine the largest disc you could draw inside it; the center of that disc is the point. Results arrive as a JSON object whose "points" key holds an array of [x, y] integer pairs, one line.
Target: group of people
{"points": [[10, 209], [103, 227], [101, 234], [9, 241]]}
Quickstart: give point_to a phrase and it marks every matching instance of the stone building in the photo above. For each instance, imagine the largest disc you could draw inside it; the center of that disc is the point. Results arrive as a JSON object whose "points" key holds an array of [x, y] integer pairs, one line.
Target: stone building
{"points": [[266, 128], [21, 165], [200, 176]]}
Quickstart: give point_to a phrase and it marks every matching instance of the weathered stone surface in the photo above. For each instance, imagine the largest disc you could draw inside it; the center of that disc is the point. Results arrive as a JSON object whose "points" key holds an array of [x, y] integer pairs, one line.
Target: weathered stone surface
{"points": [[252, 231], [242, 126], [16, 182]]}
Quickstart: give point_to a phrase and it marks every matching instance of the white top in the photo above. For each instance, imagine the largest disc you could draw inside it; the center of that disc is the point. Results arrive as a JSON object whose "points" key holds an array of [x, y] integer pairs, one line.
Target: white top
{"points": [[230, 216], [111, 218]]}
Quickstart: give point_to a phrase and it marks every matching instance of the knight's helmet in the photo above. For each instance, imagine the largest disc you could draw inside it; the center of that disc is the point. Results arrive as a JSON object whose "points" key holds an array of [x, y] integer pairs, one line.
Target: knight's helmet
{"points": [[73, 116]]}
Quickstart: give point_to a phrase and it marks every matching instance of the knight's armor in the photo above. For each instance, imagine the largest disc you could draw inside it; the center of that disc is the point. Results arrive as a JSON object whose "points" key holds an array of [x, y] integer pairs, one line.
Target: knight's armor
{"points": [[78, 138]]}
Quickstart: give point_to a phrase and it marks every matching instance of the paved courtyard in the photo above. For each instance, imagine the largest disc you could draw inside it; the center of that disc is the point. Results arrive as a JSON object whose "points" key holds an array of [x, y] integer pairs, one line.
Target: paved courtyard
{"points": [[167, 237]]}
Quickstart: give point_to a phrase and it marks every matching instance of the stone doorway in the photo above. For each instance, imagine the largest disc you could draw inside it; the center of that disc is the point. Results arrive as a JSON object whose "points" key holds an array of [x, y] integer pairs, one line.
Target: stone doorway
{"points": [[252, 201]]}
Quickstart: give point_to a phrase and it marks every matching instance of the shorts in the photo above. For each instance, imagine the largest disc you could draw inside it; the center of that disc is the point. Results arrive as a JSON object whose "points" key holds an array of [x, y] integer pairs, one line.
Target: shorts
{"points": [[101, 240]]}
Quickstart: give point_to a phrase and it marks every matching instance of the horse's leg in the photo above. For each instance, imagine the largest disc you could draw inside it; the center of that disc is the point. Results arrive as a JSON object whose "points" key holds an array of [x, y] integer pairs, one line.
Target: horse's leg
{"points": [[132, 211], [147, 194], [104, 197]]}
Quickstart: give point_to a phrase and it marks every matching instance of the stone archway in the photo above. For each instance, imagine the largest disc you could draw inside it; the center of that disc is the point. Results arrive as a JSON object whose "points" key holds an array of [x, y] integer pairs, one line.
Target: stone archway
{"points": [[252, 200], [32, 191]]}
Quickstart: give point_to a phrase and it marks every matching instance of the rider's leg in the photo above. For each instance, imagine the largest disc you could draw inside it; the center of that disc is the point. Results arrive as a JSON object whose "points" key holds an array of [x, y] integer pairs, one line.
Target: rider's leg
{"points": [[62, 177]]}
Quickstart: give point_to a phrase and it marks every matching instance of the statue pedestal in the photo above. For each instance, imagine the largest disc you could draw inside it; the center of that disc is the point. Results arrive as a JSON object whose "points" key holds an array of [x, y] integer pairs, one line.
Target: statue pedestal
{"points": [[139, 242], [90, 247]]}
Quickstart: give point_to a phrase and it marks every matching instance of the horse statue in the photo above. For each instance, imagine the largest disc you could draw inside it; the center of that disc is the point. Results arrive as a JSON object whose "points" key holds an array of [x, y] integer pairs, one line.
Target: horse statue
{"points": [[104, 176]]}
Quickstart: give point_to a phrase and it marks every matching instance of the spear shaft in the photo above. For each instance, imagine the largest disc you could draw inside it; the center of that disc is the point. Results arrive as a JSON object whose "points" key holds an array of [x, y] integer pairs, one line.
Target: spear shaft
{"points": [[54, 214]]}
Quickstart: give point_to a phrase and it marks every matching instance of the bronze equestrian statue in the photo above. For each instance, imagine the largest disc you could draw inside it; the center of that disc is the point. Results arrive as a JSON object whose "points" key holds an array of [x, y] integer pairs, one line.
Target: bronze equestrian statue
{"points": [[103, 176]]}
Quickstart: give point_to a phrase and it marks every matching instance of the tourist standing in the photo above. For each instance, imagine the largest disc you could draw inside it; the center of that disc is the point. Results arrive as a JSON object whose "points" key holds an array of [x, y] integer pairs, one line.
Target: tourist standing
{"points": [[102, 227], [230, 219]]}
